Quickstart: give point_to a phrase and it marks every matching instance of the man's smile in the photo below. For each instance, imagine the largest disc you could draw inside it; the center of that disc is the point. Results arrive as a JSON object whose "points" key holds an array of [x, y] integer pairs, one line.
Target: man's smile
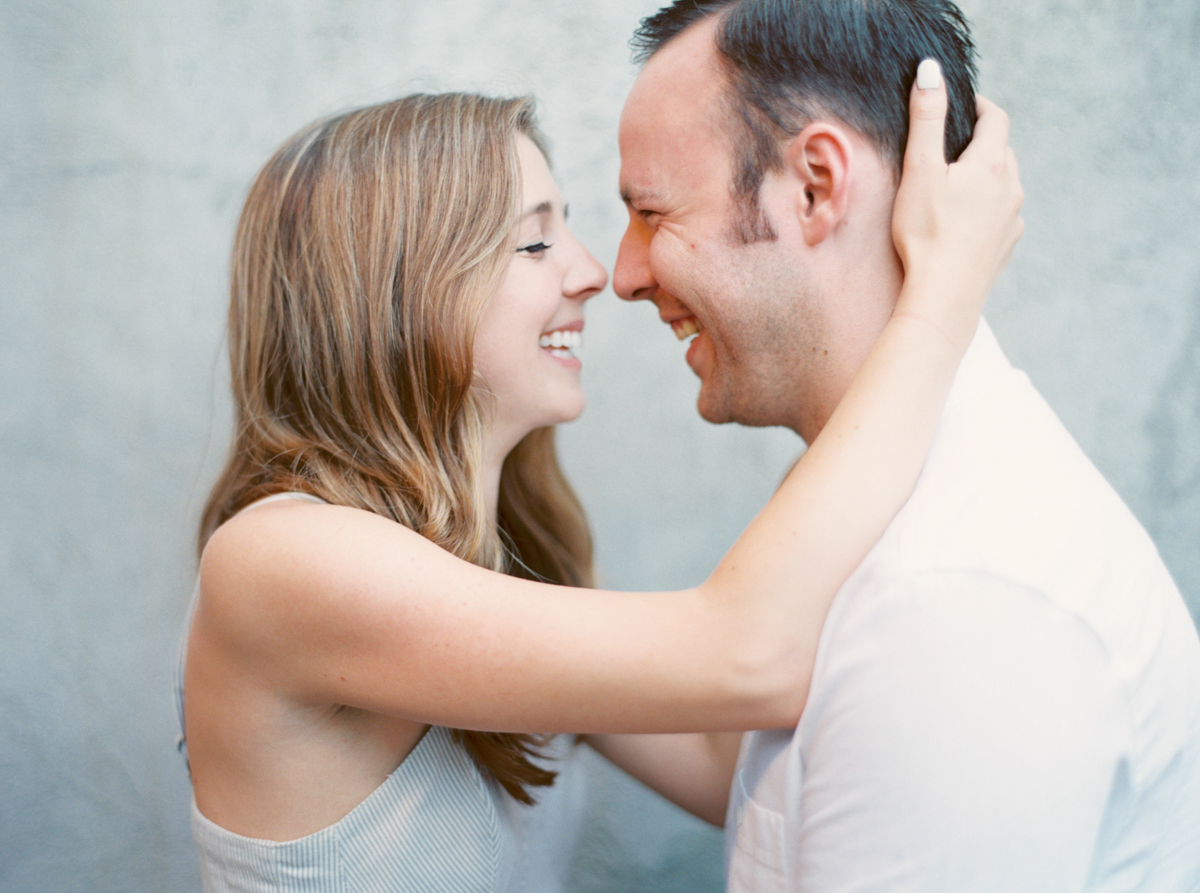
{"points": [[687, 327]]}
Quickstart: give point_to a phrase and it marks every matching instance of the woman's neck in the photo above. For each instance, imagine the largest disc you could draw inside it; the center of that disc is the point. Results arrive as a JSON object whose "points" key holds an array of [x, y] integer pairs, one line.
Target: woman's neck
{"points": [[498, 442], [491, 487], [496, 448]]}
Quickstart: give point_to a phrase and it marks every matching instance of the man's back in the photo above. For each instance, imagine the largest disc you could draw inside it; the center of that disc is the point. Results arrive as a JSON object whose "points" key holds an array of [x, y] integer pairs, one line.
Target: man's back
{"points": [[1007, 693]]}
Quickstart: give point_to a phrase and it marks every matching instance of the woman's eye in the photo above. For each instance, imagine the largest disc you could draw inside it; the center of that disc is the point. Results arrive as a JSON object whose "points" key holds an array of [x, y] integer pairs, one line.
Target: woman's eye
{"points": [[535, 248]]}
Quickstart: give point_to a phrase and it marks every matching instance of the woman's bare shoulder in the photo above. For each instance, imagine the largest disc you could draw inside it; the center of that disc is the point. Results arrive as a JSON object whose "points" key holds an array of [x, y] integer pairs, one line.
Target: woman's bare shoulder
{"points": [[288, 558]]}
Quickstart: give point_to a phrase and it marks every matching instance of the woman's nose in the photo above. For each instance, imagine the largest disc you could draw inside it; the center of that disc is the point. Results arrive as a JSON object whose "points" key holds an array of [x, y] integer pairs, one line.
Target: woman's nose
{"points": [[587, 276]]}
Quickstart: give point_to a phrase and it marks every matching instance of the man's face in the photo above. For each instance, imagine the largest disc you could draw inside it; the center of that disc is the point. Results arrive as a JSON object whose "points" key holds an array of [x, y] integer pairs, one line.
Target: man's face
{"points": [[761, 321]]}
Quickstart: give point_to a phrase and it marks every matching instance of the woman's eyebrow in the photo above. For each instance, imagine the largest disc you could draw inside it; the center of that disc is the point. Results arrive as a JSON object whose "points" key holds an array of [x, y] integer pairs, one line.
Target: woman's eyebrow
{"points": [[544, 207]]}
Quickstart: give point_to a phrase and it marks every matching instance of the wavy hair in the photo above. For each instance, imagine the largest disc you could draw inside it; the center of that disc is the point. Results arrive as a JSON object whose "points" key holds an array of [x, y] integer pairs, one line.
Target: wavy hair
{"points": [[365, 256]]}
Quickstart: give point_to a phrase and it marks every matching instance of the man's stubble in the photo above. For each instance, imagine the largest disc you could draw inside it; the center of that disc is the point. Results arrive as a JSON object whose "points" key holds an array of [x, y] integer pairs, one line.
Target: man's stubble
{"points": [[774, 337]]}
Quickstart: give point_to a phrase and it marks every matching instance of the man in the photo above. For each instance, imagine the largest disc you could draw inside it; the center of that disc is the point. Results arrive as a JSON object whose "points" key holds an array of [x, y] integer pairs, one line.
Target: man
{"points": [[1007, 692]]}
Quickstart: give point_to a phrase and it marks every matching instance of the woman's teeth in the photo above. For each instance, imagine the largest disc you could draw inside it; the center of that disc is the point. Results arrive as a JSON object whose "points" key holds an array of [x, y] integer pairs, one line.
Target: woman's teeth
{"points": [[560, 343], [686, 328]]}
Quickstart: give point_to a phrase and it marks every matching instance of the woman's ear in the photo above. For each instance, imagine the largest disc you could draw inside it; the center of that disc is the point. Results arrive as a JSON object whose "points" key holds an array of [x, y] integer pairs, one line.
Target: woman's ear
{"points": [[819, 161]]}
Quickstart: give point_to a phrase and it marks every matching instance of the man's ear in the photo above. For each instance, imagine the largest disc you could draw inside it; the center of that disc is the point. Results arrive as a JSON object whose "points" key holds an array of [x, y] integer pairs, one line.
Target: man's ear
{"points": [[819, 161]]}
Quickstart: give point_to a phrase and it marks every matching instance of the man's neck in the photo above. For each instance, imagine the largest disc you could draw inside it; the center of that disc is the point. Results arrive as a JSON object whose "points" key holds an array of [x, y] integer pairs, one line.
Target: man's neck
{"points": [[866, 308]]}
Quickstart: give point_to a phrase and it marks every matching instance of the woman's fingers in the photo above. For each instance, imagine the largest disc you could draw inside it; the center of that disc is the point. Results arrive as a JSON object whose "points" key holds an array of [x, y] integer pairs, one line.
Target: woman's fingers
{"points": [[990, 137], [1016, 199], [954, 225], [1011, 161], [926, 120], [920, 198]]}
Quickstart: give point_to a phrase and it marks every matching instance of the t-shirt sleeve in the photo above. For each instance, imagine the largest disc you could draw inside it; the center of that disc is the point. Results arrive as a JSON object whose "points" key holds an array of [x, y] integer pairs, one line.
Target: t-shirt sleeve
{"points": [[965, 737]]}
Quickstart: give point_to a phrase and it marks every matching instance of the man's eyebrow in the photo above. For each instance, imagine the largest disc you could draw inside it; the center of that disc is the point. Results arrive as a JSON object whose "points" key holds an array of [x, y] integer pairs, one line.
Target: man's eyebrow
{"points": [[632, 196]]}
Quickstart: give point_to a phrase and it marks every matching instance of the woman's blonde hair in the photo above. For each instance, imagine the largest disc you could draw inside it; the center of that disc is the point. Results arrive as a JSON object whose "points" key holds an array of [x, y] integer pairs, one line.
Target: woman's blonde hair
{"points": [[367, 251]]}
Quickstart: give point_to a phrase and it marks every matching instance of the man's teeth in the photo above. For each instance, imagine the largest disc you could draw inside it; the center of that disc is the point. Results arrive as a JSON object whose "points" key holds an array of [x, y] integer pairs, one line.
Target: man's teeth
{"points": [[561, 342], [686, 328]]}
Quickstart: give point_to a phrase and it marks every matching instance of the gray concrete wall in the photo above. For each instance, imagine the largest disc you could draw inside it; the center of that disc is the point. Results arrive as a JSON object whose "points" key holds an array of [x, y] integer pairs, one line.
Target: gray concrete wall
{"points": [[128, 133]]}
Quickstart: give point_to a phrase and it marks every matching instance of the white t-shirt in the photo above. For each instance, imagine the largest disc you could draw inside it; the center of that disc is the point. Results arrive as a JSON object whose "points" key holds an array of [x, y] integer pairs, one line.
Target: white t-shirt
{"points": [[1007, 691]]}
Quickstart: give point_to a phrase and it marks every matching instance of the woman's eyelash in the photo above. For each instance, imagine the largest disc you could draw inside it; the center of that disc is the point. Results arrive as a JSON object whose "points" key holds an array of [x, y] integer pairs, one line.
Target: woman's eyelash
{"points": [[535, 248]]}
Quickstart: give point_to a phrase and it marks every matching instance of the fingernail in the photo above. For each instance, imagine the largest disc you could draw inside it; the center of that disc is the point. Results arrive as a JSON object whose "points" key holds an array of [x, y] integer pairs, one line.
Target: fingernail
{"points": [[929, 75]]}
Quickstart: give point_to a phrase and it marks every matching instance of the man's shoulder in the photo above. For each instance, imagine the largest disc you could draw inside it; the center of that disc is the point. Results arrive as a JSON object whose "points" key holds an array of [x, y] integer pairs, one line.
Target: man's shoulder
{"points": [[1009, 493], [1010, 515]]}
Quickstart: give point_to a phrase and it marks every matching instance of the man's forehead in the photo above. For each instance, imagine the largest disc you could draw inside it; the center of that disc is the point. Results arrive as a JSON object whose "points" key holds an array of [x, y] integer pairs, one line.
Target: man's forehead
{"points": [[683, 77], [670, 107]]}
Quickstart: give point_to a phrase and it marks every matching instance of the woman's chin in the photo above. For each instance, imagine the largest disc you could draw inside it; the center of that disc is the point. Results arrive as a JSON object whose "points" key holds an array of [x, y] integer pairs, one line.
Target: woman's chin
{"points": [[566, 411], [574, 411]]}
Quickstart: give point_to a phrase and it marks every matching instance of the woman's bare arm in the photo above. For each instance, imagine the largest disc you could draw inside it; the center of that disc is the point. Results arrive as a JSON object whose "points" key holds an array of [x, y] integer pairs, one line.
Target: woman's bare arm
{"points": [[327, 604]]}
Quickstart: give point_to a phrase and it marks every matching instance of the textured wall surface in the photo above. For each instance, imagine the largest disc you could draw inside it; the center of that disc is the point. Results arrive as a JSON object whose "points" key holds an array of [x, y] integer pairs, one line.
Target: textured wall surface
{"points": [[128, 133]]}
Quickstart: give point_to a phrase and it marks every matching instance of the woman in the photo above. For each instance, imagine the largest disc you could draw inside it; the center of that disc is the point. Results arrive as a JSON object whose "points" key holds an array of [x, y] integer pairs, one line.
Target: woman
{"points": [[404, 295]]}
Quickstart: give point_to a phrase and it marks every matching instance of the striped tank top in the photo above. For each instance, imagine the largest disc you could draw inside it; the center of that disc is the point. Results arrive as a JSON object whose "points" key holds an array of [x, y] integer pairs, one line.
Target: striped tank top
{"points": [[435, 825]]}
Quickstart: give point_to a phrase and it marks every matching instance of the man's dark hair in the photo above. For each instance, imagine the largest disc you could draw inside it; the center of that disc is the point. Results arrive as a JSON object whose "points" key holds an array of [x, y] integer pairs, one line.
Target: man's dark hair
{"points": [[791, 62]]}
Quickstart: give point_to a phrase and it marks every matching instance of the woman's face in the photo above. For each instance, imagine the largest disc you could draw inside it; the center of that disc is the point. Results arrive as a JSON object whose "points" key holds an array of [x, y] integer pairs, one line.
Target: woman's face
{"points": [[524, 345]]}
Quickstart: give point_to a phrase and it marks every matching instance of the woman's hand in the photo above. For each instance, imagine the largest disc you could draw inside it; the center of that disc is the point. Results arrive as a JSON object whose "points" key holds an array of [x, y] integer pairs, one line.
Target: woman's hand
{"points": [[954, 225]]}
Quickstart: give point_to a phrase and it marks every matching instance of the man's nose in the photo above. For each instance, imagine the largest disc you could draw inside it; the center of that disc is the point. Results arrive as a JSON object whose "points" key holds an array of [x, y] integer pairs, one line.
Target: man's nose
{"points": [[632, 279]]}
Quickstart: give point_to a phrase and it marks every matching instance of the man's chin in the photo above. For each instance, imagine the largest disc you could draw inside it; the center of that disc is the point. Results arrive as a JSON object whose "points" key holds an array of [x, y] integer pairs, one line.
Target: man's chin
{"points": [[711, 415], [720, 407], [716, 407]]}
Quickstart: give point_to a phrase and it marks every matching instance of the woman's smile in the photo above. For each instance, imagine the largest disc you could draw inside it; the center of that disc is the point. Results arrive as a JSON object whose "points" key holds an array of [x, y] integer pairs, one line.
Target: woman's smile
{"points": [[540, 301], [561, 344]]}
